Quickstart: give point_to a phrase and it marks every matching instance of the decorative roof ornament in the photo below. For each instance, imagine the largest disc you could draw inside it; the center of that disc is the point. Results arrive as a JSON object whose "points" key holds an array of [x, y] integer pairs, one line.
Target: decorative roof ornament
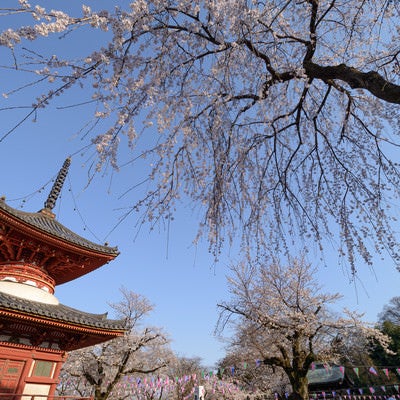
{"points": [[56, 189]]}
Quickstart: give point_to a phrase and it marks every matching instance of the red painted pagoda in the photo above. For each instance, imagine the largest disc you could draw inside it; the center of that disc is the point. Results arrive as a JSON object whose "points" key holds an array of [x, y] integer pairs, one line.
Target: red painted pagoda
{"points": [[36, 331]]}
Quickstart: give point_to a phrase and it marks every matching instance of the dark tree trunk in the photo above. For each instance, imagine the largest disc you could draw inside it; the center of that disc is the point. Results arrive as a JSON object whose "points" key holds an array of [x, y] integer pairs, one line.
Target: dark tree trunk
{"points": [[299, 384]]}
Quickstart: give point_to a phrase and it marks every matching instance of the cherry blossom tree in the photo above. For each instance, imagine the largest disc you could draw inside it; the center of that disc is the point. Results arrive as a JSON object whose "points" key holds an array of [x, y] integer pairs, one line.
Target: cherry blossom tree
{"points": [[255, 377], [276, 118], [100, 371], [281, 318], [185, 373], [389, 323]]}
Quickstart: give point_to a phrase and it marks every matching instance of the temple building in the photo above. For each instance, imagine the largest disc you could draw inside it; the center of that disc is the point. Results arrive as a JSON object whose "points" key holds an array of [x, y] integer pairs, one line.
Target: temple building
{"points": [[37, 253]]}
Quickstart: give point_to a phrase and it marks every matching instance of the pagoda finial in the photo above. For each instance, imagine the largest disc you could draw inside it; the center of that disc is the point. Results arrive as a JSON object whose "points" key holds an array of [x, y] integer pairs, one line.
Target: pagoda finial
{"points": [[57, 186]]}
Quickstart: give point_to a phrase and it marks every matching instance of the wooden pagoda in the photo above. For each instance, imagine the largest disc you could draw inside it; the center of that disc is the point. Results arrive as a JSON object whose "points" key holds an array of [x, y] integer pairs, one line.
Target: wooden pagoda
{"points": [[37, 253]]}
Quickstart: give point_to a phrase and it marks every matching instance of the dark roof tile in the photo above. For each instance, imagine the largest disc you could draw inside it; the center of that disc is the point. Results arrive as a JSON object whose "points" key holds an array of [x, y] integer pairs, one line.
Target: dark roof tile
{"points": [[58, 312], [51, 226]]}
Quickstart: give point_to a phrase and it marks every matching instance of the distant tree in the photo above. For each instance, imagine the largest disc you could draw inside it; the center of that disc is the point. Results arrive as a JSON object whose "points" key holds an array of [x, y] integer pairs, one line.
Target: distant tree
{"points": [[389, 324], [280, 317], [188, 373], [100, 371], [243, 367], [355, 351], [391, 312], [182, 366], [185, 372], [380, 356], [278, 118], [350, 349]]}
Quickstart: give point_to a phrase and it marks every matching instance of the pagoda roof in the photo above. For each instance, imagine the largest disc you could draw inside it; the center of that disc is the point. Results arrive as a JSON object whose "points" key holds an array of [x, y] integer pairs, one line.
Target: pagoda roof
{"points": [[59, 313], [44, 222]]}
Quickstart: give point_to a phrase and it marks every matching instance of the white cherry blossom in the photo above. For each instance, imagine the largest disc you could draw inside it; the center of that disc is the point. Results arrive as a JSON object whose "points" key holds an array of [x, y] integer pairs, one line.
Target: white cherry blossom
{"points": [[279, 119]]}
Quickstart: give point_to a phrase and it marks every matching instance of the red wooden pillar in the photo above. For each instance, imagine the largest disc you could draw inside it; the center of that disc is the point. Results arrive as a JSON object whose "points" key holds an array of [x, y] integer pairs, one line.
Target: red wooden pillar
{"points": [[29, 372]]}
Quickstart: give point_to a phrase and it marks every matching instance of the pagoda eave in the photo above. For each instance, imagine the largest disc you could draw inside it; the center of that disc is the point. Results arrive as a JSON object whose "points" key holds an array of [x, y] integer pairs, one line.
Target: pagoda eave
{"points": [[31, 348], [78, 335], [71, 260], [55, 323]]}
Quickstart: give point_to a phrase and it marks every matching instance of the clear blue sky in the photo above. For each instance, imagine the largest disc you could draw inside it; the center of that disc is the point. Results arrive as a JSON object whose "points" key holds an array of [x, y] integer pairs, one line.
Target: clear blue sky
{"points": [[163, 265]]}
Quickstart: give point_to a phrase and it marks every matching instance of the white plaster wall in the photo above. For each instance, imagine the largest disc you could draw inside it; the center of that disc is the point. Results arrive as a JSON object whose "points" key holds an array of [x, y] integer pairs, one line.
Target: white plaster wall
{"points": [[27, 292], [39, 391]]}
